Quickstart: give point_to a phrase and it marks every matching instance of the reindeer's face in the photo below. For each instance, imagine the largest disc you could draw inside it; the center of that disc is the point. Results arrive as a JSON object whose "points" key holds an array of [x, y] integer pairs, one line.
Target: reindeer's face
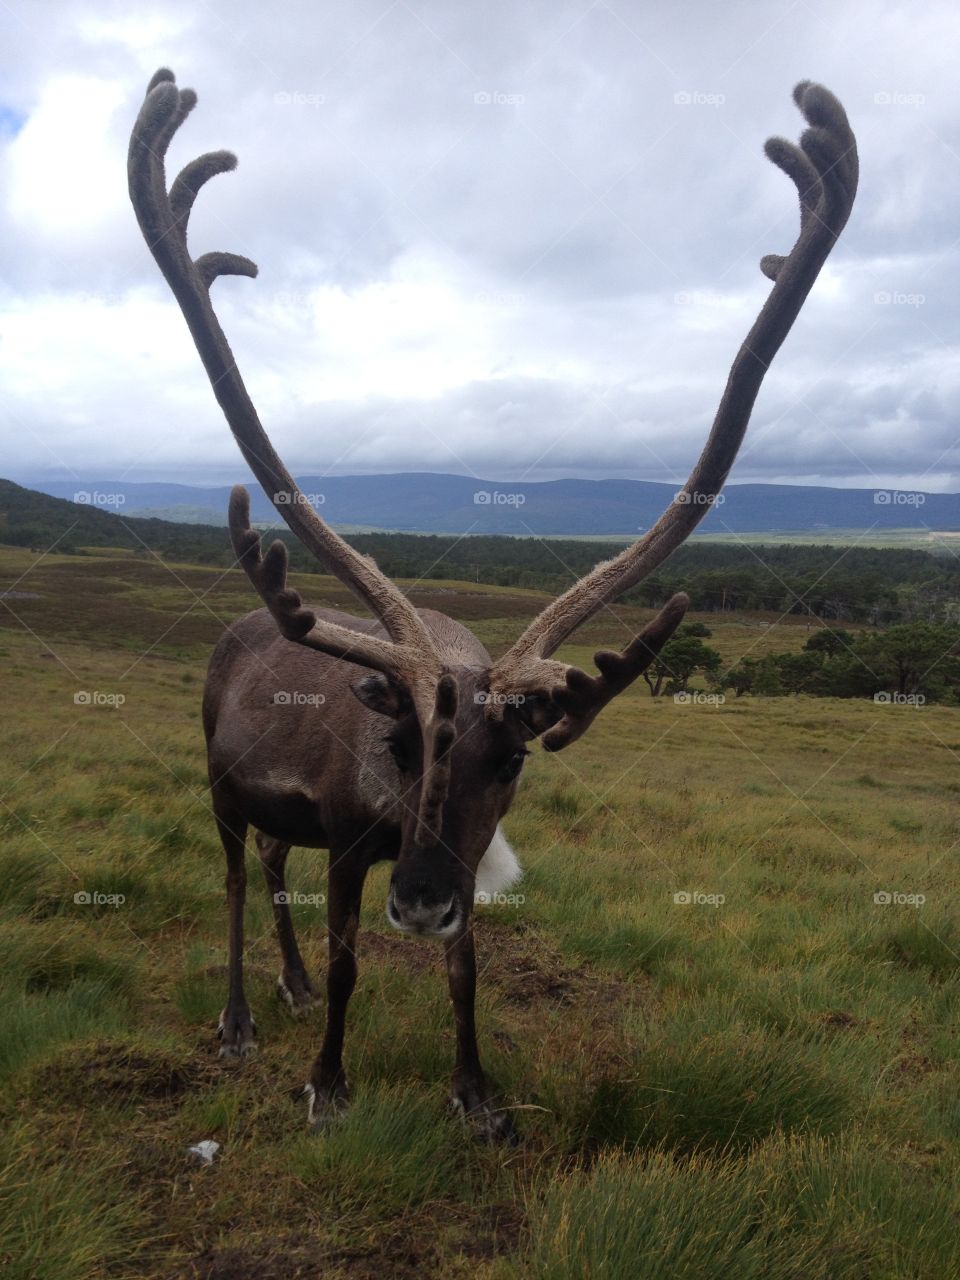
{"points": [[432, 887]]}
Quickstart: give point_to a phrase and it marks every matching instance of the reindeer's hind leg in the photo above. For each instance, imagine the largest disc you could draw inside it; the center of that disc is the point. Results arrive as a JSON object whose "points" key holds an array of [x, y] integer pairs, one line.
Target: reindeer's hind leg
{"points": [[237, 1029], [293, 986]]}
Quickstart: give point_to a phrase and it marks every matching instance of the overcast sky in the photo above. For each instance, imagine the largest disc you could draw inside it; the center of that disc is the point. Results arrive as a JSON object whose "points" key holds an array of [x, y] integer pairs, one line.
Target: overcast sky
{"points": [[502, 239]]}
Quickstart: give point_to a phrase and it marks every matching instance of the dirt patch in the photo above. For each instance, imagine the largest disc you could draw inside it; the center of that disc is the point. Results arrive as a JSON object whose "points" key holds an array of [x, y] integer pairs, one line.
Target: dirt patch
{"points": [[416, 955], [116, 1072], [840, 1019], [912, 1066], [488, 1233], [530, 973]]}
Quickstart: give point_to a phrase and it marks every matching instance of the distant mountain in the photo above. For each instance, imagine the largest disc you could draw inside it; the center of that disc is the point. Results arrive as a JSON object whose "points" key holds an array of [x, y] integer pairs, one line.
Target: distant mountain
{"points": [[424, 502]]}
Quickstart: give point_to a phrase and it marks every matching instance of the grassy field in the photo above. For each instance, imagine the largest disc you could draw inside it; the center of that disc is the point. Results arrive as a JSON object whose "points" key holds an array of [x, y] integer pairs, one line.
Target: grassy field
{"points": [[728, 1058]]}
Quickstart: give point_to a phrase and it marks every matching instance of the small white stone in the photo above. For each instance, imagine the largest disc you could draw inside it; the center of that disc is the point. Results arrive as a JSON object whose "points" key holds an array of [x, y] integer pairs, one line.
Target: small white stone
{"points": [[205, 1151]]}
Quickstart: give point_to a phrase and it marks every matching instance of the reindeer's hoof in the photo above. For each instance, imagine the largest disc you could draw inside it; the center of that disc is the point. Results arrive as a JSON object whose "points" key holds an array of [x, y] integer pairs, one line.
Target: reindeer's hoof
{"points": [[326, 1107], [238, 1034], [488, 1122], [297, 994]]}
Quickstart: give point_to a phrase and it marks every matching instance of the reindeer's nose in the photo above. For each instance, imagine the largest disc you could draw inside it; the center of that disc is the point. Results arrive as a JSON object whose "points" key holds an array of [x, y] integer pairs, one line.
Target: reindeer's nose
{"points": [[411, 911]]}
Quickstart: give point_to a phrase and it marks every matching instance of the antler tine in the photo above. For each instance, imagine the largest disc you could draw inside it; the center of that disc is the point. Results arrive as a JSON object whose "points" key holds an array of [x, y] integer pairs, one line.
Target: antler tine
{"points": [[825, 170], [439, 737], [163, 221], [583, 697], [268, 574]]}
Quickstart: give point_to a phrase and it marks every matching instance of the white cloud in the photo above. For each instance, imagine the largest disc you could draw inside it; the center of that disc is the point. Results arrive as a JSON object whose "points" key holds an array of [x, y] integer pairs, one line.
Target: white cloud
{"points": [[550, 280]]}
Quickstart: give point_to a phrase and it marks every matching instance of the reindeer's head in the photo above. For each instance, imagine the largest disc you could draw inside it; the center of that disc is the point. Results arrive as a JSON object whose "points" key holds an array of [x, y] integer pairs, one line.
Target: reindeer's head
{"points": [[450, 810], [459, 734]]}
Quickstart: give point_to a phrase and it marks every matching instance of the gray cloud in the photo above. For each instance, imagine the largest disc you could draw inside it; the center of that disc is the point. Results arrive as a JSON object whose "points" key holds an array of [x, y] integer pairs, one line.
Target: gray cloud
{"points": [[507, 240]]}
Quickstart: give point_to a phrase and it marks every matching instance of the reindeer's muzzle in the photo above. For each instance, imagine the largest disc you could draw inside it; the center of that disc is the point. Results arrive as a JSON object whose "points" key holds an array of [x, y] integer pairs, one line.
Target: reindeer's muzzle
{"points": [[422, 904]]}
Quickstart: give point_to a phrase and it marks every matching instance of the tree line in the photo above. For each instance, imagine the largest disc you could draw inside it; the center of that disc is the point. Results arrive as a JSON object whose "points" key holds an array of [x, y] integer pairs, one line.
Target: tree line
{"points": [[908, 664], [841, 585]]}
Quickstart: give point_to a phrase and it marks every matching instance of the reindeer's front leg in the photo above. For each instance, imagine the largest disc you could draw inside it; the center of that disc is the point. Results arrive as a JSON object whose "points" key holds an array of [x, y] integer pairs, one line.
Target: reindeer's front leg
{"points": [[470, 1093], [327, 1091]]}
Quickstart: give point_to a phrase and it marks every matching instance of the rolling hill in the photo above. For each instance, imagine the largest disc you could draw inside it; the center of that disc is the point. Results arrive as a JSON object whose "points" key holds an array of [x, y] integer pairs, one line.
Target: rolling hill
{"points": [[424, 502]]}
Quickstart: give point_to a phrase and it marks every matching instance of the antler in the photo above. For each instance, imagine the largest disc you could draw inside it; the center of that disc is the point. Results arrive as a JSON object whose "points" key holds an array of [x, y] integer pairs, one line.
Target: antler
{"points": [[825, 170], [163, 221], [409, 653]]}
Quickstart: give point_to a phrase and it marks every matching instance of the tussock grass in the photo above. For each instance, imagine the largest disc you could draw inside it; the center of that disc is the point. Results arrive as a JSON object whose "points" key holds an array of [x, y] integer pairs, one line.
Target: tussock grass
{"points": [[810, 1208], [60, 1222], [394, 1149]]}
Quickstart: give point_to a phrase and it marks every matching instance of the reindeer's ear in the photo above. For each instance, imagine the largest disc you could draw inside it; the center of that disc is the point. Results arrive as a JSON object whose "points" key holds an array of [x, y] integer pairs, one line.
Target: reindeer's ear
{"points": [[384, 696], [537, 712]]}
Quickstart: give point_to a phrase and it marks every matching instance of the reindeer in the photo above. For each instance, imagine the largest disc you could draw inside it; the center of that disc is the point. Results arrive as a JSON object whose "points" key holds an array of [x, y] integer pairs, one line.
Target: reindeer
{"points": [[417, 760]]}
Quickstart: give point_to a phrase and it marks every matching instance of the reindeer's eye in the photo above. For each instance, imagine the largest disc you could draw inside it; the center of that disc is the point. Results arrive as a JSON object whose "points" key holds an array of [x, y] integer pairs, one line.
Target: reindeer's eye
{"points": [[398, 753], [507, 772]]}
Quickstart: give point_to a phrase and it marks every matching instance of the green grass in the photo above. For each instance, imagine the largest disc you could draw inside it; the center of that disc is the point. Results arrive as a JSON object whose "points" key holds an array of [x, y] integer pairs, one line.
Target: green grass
{"points": [[755, 1080]]}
